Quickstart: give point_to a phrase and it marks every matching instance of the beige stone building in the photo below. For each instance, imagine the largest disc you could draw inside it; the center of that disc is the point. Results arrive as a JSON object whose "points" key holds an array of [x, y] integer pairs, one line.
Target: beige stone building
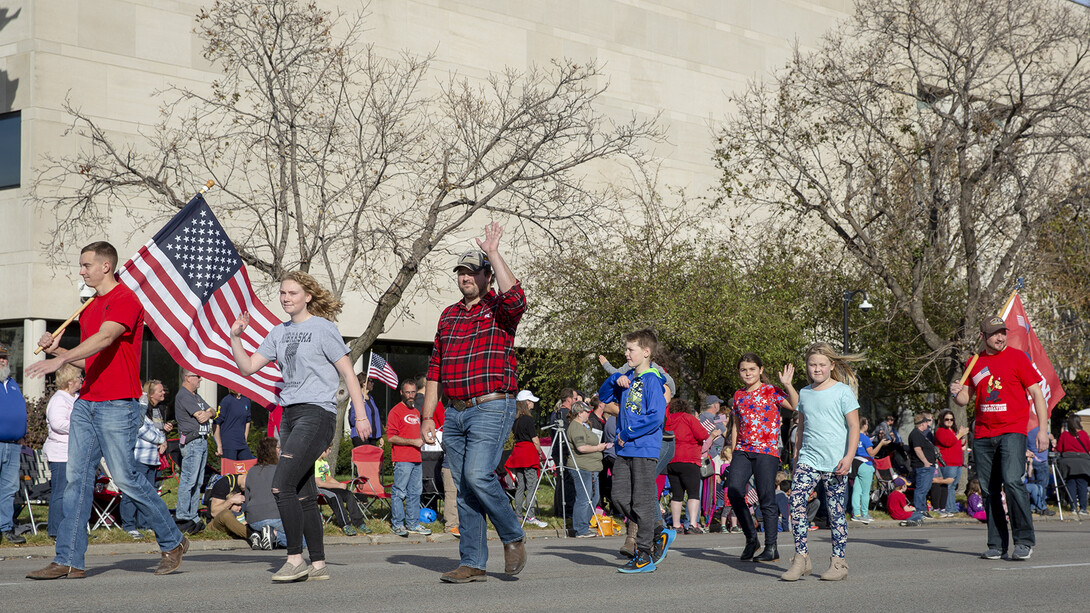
{"points": [[680, 57]]}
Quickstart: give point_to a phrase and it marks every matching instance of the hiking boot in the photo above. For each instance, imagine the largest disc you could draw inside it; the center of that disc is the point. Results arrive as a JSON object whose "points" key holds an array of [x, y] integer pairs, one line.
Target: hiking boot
{"points": [[463, 574], [838, 570], [1022, 552], [171, 560], [56, 571], [800, 567], [289, 573], [514, 557], [770, 554], [661, 544], [642, 563], [752, 545], [629, 548]]}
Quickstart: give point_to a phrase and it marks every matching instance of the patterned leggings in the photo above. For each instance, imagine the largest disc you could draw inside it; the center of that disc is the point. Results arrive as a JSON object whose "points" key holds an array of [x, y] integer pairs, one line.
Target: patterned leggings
{"points": [[805, 480]]}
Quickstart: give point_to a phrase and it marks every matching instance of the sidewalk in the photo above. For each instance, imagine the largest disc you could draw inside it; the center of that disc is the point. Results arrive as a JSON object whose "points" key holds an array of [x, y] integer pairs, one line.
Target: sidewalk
{"points": [[149, 546]]}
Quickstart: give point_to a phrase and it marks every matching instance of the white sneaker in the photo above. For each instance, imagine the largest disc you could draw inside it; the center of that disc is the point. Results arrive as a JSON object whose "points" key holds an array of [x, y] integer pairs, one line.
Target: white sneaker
{"points": [[857, 518], [537, 522], [136, 535]]}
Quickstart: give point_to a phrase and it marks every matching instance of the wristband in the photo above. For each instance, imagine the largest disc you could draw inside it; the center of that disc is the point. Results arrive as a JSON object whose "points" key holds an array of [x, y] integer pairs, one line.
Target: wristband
{"points": [[427, 419]]}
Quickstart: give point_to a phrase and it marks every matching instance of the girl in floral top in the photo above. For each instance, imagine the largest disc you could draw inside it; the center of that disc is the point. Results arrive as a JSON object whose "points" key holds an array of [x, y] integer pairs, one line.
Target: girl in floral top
{"points": [[755, 445]]}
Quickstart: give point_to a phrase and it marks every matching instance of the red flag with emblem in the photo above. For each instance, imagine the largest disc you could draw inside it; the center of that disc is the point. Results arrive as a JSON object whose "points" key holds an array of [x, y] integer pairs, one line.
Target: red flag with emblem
{"points": [[1020, 335]]}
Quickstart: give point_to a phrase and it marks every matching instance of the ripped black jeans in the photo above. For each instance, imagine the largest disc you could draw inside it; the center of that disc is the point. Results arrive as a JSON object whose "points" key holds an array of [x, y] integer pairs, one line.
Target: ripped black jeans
{"points": [[305, 432]]}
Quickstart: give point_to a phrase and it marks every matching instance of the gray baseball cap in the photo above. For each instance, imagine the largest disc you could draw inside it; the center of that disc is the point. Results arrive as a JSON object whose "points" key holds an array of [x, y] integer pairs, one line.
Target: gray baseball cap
{"points": [[473, 260]]}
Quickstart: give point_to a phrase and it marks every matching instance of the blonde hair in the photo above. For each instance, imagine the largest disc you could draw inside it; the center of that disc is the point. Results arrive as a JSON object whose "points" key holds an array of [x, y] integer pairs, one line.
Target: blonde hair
{"points": [[841, 370], [150, 385], [65, 375], [322, 302]]}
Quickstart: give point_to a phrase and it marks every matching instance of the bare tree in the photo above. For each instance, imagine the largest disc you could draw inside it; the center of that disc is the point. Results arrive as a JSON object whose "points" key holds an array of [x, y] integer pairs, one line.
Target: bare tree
{"points": [[333, 159], [929, 140]]}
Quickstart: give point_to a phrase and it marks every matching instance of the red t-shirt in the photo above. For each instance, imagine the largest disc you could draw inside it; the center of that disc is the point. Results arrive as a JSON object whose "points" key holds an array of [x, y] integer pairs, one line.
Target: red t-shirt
{"points": [[688, 435], [439, 416], [1000, 382], [896, 503], [114, 372], [949, 446], [403, 421]]}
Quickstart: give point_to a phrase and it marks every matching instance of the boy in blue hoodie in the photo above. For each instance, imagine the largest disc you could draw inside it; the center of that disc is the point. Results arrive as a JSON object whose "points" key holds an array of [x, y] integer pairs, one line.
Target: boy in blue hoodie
{"points": [[642, 403]]}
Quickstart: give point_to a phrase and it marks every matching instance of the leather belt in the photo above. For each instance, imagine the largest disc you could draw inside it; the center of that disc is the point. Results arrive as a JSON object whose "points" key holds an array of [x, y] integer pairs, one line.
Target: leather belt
{"points": [[461, 405]]}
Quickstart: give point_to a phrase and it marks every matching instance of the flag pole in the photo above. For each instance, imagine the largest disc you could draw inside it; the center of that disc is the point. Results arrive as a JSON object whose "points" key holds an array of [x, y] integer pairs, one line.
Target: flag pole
{"points": [[59, 331], [1008, 304], [972, 361], [207, 186]]}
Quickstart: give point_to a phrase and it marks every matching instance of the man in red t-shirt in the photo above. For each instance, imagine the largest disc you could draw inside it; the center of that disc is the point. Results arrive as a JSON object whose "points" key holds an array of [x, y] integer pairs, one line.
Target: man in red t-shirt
{"points": [[1000, 381], [106, 416], [403, 432]]}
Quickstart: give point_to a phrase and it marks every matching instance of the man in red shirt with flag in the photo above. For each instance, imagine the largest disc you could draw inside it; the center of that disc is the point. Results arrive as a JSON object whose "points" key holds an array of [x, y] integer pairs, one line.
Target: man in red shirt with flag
{"points": [[106, 416], [1000, 380], [473, 362]]}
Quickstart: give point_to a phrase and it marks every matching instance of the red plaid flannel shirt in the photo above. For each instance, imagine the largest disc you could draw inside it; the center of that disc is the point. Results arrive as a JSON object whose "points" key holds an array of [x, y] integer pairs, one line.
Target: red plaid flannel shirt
{"points": [[474, 349]]}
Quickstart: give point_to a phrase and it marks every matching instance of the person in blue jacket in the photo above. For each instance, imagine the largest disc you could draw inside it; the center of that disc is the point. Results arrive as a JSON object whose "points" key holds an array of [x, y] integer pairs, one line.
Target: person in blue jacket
{"points": [[642, 401]]}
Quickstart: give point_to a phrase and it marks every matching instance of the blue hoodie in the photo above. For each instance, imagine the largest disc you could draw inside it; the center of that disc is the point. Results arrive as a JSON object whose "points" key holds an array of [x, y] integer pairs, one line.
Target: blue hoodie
{"points": [[643, 410], [12, 412]]}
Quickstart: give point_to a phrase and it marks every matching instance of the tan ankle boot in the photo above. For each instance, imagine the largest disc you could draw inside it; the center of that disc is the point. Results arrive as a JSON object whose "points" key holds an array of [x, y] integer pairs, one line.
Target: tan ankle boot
{"points": [[800, 566], [629, 547], [838, 570]]}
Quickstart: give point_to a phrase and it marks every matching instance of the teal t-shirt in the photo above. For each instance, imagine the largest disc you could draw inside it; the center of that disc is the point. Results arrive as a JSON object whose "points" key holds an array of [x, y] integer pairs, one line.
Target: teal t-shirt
{"points": [[825, 432]]}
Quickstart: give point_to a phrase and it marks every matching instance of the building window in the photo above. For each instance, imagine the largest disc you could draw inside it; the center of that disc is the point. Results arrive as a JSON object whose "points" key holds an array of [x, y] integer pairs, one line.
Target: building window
{"points": [[10, 141]]}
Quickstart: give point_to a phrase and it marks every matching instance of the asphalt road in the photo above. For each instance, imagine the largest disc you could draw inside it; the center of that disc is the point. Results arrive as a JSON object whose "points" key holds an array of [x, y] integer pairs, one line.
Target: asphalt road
{"points": [[919, 569]]}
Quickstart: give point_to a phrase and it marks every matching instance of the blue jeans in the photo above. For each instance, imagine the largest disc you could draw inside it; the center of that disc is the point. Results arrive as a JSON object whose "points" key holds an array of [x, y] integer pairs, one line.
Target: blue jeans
{"points": [[952, 491], [924, 476], [861, 490], [474, 440], [57, 482], [586, 484], [405, 495], [194, 457], [1000, 464], [277, 526], [129, 520], [9, 483], [1040, 480], [107, 430]]}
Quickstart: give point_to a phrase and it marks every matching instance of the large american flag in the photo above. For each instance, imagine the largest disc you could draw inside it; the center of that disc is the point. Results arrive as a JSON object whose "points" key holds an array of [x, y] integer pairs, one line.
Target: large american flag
{"points": [[380, 369], [193, 285]]}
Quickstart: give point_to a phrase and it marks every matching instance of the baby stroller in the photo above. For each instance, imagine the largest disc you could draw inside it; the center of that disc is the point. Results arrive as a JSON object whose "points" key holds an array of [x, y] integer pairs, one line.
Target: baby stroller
{"points": [[883, 475]]}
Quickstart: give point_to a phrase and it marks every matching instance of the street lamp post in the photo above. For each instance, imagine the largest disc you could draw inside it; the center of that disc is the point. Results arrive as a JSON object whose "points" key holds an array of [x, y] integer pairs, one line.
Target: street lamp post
{"points": [[864, 306]]}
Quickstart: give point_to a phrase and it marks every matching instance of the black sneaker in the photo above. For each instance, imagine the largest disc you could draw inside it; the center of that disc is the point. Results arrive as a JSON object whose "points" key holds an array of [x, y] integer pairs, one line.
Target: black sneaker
{"points": [[14, 539], [642, 563]]}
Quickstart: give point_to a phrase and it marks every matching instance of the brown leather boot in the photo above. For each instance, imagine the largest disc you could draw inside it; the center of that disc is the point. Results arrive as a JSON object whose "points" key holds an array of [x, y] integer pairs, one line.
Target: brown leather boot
{"points": [[514, 557], [56, 571], [629, 547], [171, 560], [464, 574]]}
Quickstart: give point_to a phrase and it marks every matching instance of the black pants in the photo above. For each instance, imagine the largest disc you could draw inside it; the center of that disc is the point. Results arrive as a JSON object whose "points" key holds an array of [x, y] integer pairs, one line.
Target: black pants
{"points": [[305, 432], [684, 483], [635, 492], [345, 506], [763, 468]]}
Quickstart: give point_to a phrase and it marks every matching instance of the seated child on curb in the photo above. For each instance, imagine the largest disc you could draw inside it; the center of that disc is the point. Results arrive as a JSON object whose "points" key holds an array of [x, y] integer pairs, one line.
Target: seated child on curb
{"points": [[898, 507], [974, 504]]}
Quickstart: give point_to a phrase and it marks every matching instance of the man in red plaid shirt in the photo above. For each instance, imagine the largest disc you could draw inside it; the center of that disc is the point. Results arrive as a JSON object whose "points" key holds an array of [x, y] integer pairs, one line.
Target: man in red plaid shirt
{"points": [[473, 363]]}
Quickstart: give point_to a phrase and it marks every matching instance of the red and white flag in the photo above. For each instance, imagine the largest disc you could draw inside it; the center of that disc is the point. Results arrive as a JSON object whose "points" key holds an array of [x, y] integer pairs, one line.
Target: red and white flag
{"points": [[380, 369], [1020, 335], [193, 285]]}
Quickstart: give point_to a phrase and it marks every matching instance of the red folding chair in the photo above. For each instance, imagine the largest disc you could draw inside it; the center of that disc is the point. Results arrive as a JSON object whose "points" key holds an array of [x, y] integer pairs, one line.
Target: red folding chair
{"points": [[367, 466], [236, 467]]}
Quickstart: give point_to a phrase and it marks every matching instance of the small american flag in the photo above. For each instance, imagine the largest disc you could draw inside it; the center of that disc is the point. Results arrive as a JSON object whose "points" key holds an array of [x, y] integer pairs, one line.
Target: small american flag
{"points": [[193, 285], [380, 369], [751, 496]]}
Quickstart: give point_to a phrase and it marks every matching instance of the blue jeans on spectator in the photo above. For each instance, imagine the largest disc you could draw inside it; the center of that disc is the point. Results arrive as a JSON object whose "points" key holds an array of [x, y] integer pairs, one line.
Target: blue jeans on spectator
{"points": [[924, 476], [405, 495], [57, 482], [277, 526], [107, 430], [194, 457], [1040, 480], [474, 440], [130, 519], [1000, 464], [586, 484], [952, 491], [9, 483]]}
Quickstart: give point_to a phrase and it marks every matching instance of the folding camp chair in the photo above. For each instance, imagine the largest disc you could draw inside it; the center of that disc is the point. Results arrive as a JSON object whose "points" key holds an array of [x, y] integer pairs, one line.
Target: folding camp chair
{"points": [[34, 485], [236, 467], [431, 466], [105, 504], [883, 476], [367, 467]]}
